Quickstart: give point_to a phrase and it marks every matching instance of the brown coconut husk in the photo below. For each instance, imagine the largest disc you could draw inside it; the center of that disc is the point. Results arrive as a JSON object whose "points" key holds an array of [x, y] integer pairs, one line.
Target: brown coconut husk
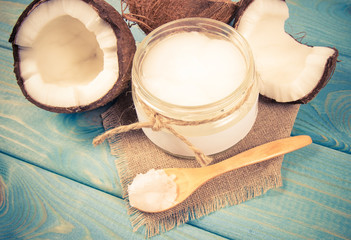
{"points": [[150, 14]]}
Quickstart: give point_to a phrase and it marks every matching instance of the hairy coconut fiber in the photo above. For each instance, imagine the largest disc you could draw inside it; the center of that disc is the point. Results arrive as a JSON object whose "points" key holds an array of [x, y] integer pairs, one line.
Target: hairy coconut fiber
{"points": [[150, 14]]}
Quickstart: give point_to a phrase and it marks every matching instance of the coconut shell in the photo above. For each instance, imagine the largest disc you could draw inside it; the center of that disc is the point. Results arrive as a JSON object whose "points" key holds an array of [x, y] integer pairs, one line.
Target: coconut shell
{"points": [[327, 74], [241, 8], [150, 14], [328, 69], [125, 52]]}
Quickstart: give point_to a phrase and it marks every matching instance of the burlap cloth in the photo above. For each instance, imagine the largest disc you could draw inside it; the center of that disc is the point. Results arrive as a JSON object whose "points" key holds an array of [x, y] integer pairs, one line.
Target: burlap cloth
{"points": [[136, 154]]}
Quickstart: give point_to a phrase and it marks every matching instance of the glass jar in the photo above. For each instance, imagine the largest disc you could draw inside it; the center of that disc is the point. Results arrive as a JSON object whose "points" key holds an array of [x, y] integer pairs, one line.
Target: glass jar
{"points": [[229, 119]]}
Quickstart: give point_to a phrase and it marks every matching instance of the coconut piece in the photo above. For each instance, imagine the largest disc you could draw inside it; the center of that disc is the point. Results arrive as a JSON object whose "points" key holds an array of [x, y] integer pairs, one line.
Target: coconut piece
{"points": [[289, 71], [71, 55], [150, 14]]}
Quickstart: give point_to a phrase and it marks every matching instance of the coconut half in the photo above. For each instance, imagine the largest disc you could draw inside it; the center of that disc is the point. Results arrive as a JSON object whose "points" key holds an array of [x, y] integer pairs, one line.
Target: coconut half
{"points": [[71, 55], [288, 70]]}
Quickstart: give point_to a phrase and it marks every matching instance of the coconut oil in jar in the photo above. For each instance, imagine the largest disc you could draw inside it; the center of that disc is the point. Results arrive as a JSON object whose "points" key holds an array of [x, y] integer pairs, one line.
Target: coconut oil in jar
{"points": [[200, 72]]}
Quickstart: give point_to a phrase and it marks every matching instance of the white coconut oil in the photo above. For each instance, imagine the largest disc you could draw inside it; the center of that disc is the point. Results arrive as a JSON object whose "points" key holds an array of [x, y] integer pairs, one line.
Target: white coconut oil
{"points": [[152, 191], [192, 70]]}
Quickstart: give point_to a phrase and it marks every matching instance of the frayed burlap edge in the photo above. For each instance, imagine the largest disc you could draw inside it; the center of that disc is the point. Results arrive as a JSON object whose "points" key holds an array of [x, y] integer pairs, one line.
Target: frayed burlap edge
{"points": [[169, 220]]}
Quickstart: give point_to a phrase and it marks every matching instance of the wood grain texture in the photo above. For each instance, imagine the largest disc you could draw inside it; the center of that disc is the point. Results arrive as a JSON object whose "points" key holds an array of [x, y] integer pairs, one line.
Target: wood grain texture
{"points": [[55, 185], [57, 142], [313, 203], [327, 119], [61, 143], [37, 204]]}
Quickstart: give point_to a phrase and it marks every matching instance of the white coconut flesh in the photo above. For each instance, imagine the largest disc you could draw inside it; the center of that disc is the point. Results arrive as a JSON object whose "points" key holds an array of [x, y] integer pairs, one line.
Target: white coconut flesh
{"points": [[68, 54], [288, 70]]}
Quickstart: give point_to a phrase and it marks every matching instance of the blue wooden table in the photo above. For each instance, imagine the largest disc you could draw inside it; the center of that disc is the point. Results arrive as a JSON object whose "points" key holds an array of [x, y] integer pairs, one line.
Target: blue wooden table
{"points": [[55, 185]]}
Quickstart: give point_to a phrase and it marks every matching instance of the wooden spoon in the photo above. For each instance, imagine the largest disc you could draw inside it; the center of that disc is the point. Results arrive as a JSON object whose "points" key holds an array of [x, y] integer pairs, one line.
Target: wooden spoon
{"points": [[190, 179]]}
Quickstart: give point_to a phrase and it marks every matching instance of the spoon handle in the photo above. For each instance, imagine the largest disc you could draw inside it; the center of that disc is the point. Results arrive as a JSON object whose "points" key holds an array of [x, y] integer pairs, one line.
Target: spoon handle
{"points": [[259, 154]]}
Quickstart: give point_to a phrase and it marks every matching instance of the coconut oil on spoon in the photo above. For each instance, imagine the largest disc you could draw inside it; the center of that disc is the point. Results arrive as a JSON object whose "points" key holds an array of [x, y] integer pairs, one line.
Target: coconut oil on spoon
{"points": [[160, 190]]}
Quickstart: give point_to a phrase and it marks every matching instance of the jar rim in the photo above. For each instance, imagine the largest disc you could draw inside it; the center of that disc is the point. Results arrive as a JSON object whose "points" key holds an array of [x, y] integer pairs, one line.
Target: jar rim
{"points": [[193, 23]]}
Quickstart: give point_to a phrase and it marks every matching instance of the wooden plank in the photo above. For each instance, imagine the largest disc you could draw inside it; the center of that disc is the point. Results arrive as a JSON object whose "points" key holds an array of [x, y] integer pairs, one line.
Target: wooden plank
{"points": [[9, 12], [313, 203], [58, 142], [322, 23], [327, 118], [37, 204], [61, 143]]}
